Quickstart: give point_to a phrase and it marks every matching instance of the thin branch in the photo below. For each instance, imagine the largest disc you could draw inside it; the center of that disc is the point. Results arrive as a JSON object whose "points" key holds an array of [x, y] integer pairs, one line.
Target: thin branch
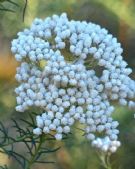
{"points": [[13, 3], [24, 9]]}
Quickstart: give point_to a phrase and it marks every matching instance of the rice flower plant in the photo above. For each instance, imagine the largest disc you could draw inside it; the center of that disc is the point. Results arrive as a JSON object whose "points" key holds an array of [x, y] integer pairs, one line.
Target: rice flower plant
{"points": [[55, 76]]}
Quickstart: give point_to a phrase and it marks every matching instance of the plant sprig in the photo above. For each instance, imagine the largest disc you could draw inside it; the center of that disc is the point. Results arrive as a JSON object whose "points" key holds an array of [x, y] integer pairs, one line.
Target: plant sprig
{"points": [[34, 145]]}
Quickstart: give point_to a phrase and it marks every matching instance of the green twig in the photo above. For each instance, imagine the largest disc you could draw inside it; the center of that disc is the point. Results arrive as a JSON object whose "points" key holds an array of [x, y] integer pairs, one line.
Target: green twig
{"points": [[24, 9], [6, 10], [13, 3], [33, 158], [105, 160]]}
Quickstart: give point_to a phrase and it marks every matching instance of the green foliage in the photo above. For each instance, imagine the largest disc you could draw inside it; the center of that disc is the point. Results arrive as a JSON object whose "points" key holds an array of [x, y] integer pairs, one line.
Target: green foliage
{"points": [[35, 146], [3, 8], [10, 6]]}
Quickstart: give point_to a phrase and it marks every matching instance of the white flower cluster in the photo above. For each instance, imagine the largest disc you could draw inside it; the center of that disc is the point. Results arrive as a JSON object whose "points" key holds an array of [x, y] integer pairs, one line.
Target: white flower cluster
{"points": [[67, 92]]}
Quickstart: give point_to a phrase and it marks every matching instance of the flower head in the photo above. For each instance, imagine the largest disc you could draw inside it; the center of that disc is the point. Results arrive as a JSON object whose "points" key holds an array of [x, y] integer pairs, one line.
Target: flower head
{"points": [[68, 91]]}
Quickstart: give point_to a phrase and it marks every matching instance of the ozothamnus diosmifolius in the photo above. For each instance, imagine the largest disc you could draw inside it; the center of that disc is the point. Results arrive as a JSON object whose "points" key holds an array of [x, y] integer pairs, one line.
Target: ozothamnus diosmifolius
{"points": [[67, 90]]}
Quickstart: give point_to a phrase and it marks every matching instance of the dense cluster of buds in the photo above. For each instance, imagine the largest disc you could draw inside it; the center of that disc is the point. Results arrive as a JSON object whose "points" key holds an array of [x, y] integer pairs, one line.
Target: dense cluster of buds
{"points": [[67, 91]]}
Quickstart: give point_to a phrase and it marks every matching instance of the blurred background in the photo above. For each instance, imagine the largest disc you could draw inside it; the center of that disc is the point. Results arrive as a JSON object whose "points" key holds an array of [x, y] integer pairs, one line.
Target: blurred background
{"points": [[118, 16]]}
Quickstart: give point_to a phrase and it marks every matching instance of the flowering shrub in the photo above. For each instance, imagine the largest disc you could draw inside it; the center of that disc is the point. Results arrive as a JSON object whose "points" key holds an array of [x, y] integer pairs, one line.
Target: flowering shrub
{"points": [[55, 77]]}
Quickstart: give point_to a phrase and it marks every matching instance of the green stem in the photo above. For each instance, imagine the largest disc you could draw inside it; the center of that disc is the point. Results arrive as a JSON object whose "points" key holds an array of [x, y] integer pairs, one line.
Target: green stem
{"points": [[32, 160], [20, 139], [105, 160]]}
